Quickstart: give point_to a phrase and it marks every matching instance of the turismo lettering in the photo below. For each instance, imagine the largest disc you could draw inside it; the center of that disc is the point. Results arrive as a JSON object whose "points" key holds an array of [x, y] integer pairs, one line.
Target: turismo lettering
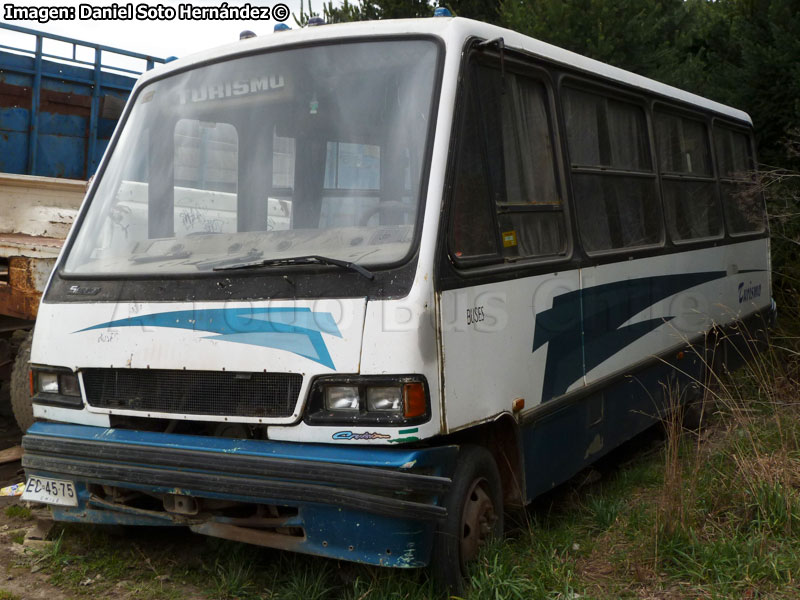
{"points": [[232, 88]]}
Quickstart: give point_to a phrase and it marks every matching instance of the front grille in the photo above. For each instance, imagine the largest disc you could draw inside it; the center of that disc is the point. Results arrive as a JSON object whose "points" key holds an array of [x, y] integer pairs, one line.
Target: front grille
{"points": [[270, 395]]}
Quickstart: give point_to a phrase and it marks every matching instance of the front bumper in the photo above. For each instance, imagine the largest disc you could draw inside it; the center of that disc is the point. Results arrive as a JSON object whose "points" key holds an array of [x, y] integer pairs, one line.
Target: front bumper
{"points": [[369, 504]]}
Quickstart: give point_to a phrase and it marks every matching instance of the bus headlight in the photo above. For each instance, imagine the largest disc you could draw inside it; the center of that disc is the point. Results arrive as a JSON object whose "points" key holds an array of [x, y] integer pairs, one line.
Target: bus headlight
{"points": [[368, 400], [47, 383], [385, 399], [342, 398], [68, 384]]}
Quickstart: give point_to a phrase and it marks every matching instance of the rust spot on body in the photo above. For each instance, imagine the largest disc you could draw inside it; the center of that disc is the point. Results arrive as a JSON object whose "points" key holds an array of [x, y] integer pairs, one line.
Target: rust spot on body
{"points": [[21, 286]]}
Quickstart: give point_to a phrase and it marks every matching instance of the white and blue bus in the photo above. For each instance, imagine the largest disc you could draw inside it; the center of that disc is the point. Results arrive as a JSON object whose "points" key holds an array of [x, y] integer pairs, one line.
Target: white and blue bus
{"points": [[352, 290]]}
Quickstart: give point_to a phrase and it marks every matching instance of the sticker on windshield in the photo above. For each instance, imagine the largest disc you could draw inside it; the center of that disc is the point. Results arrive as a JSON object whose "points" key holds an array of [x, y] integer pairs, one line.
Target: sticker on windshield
{"points": [[228, 89], [509, 239]]}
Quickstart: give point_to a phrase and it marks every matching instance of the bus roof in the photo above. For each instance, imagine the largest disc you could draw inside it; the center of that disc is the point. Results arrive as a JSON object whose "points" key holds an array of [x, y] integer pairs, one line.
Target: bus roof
{"points": [[454, 31]]}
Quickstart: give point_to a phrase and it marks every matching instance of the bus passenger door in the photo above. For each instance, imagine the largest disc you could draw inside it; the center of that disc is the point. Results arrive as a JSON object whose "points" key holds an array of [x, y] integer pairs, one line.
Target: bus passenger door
{"points": [[510, 305]]}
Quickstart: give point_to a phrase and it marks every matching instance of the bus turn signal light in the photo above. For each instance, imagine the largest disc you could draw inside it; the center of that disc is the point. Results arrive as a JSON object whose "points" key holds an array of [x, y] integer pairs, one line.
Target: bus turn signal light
{"points": [[414, 403]]}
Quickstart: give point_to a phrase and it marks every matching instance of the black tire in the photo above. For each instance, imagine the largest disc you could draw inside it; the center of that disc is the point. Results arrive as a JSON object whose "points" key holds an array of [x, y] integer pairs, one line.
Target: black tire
{"points": [[476, 495], [694, 415], [20, 385]]}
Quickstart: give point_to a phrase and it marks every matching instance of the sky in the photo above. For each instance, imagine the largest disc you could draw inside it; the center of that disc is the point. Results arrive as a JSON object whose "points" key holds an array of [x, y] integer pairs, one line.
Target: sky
{"points": [[179, 37]]}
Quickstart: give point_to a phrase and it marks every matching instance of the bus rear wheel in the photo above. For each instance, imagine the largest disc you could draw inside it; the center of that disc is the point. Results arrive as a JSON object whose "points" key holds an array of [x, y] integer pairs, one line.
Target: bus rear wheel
{"points": [[474, 517]]}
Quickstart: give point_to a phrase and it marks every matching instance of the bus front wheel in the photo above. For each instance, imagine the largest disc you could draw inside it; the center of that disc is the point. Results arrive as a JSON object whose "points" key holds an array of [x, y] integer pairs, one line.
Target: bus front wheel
{"points": [[474, 516], [20, 385]]}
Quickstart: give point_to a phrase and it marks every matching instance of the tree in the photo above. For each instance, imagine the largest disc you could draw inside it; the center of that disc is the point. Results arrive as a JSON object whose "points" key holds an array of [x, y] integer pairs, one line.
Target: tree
{"points": [[487, 11], [745, 53], [766, 77], [636, 35], [369, 10]]}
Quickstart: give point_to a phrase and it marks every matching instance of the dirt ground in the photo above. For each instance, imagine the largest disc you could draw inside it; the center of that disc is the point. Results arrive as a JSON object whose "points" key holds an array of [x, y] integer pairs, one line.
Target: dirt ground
{"points": [[14, 577], [22, 567], [47, 561], [9, 437]]}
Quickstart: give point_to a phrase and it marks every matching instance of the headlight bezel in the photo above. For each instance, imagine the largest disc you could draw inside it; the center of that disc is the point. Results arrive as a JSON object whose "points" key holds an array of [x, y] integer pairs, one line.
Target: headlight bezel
{"points": [[317, 412], [67, 392]]}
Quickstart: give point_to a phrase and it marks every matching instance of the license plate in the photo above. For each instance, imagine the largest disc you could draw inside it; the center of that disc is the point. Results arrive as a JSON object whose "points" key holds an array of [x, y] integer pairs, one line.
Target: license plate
{"points": [[50, 491]]}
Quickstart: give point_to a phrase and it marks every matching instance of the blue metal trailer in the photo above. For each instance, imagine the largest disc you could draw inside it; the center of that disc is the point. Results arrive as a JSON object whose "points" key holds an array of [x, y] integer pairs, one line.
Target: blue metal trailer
{"points": [[58, 112], [60, 99]]}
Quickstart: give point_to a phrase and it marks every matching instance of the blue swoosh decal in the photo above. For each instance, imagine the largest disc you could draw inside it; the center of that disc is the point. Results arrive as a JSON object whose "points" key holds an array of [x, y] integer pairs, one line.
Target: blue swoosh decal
{"points": [[295, 330], [586, 327]]}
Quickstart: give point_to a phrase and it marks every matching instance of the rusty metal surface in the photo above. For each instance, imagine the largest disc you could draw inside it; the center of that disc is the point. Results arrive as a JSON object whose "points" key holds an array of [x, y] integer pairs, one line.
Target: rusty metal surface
{"points": [[21, 290], [269, 539], [97, 502], [37, 213]]}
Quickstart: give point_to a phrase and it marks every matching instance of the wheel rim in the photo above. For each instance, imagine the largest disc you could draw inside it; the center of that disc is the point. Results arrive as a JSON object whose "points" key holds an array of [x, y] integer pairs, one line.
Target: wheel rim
{"points": [[477, 521]]}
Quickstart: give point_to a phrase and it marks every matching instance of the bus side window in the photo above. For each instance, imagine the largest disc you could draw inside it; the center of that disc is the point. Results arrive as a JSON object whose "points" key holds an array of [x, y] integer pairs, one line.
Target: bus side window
{"points": [[690, 191], [532, 209], [506, 196], [741, 200], [612, 172]]}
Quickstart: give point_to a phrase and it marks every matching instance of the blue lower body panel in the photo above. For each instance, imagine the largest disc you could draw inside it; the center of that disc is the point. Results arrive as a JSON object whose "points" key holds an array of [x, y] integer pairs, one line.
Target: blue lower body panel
{"points": [[581, 431], [373, 505]]}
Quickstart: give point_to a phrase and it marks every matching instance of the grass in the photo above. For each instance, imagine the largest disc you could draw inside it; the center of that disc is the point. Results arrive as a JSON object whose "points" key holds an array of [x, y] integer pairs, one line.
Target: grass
{"points": [[89, 561], [232, 576], [713, 513], [15, 511], [6, 595]]}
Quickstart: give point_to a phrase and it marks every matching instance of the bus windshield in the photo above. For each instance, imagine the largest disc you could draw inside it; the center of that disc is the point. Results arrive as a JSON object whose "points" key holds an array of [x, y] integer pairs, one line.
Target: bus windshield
{"points": [[312, 151]]}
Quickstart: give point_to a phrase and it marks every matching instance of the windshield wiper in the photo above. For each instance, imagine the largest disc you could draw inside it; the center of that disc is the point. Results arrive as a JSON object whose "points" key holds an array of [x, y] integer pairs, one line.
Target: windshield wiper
{"points": [[299, 260], [148, 258], [206, 265]]}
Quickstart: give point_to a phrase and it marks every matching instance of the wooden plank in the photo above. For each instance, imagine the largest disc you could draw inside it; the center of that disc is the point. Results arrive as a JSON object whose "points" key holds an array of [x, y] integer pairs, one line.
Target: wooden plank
{"points": [[39, 206], [10, 454], [37, 181]]}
